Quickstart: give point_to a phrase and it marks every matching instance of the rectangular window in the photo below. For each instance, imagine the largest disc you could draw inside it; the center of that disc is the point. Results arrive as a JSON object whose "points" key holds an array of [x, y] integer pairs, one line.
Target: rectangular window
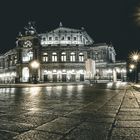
{"points": [[81, 58], [63, 58], [27, 56], [72, 58], [10, 62], [15, 59], [56, 38], [54, 58], [45, 58]]}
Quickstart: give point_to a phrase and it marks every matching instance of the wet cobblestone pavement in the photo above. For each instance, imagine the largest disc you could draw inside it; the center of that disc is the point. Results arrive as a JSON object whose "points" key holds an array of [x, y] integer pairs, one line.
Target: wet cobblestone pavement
{"points": [[69, 113]]}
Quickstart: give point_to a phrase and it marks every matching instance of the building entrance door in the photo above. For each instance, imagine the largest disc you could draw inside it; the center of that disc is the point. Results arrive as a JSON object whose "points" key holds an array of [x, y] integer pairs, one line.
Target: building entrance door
{"points": [[45, 78], [73, 79], [54, 77], [64, 79], [81, 77], [118, 76], [25, 74]]}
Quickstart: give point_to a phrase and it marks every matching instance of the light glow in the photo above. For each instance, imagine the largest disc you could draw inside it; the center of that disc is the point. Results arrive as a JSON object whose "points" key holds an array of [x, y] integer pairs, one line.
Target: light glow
{"points": [[132, 66], [35, 64], [134, 56], [109, 71], [118, 70]]}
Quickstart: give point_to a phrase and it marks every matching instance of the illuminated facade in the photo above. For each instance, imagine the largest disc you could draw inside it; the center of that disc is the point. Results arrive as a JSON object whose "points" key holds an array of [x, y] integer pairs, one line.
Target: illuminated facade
{"points": [[60, 55]]}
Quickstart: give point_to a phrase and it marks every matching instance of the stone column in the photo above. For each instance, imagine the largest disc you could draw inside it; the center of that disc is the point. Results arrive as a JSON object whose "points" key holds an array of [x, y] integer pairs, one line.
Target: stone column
{"points": [[114, 75]]}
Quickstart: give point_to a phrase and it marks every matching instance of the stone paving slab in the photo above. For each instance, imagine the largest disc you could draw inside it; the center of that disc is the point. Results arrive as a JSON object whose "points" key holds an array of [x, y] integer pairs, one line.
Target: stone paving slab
{"points": [[7, 135], [101, 120], [124, 138], [61, 125], [89, 131], [126, 132], [14, 126], [128, 117], [34, 120], [129, 124], [37, 135]]}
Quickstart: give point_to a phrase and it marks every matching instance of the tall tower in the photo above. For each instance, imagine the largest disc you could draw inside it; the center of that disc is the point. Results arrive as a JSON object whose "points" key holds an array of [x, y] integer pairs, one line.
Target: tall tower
{"points": [[28, 50]]}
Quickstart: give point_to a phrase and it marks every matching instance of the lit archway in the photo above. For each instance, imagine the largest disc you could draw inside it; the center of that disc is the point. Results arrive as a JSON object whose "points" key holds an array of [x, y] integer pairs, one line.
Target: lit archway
{"points": [[25, 74]]}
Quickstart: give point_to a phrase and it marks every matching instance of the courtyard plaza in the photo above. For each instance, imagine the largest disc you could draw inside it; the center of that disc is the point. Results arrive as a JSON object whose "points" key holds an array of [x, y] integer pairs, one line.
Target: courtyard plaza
{"points": [[70, 112]]}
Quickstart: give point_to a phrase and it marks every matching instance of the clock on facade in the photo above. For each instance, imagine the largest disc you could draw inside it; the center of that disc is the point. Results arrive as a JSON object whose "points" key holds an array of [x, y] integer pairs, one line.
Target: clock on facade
{"points": [[27, 43]]}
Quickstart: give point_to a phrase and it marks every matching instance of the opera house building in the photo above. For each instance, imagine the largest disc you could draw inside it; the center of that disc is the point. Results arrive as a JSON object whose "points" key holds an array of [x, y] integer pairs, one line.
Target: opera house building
{"points": [[61, 55]]}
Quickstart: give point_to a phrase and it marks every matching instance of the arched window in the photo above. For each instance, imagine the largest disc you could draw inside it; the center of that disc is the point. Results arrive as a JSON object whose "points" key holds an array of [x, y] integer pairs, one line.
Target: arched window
{"points": [[63, 56], [72, 57], [27, 56], [54, 57], [50, 38], [81, 57], [45, 57], [44, 38]]}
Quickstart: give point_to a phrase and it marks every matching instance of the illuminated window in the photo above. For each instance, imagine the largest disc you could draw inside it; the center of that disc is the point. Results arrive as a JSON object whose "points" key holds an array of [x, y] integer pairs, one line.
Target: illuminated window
{"points": [[27, 56], [15, 59], [63, 56], [81, 57], [72, 57], [10, 62], [54, 57], [45, 57]]}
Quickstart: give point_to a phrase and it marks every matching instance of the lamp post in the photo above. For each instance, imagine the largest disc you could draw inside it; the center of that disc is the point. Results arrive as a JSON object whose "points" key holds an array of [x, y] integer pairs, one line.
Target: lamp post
{"points": [[132, 67], [35, 65], [135, 58]]}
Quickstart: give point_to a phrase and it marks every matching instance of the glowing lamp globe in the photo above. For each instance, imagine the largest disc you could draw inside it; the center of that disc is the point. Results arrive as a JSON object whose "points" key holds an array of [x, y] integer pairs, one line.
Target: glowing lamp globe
{"points": [[35, 64]]}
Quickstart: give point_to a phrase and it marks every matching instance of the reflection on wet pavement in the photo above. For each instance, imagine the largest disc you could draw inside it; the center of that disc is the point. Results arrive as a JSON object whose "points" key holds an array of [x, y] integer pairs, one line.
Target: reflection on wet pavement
{"points": [[57, 112]]}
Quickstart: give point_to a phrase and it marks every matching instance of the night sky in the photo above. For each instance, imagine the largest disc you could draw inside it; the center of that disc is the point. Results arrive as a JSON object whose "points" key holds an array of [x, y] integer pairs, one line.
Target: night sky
{"points": [[104, 20]]}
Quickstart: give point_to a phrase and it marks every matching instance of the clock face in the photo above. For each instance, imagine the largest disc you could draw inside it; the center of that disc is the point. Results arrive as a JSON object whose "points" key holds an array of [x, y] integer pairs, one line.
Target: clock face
{"points": [[27, 43]]}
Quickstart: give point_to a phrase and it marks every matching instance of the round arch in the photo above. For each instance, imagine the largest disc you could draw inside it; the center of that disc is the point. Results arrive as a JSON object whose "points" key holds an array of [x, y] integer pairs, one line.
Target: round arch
{"points": [[25, 74]]}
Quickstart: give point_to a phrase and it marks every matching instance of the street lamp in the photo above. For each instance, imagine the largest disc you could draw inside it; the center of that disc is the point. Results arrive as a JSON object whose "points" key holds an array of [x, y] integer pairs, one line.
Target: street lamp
{"points": [[135, 56], [132, 66], [35, 65]]}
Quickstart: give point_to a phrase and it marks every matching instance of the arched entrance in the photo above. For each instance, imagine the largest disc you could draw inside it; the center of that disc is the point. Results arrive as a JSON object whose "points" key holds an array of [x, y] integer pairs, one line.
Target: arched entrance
{"points": [[25, 74]]}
